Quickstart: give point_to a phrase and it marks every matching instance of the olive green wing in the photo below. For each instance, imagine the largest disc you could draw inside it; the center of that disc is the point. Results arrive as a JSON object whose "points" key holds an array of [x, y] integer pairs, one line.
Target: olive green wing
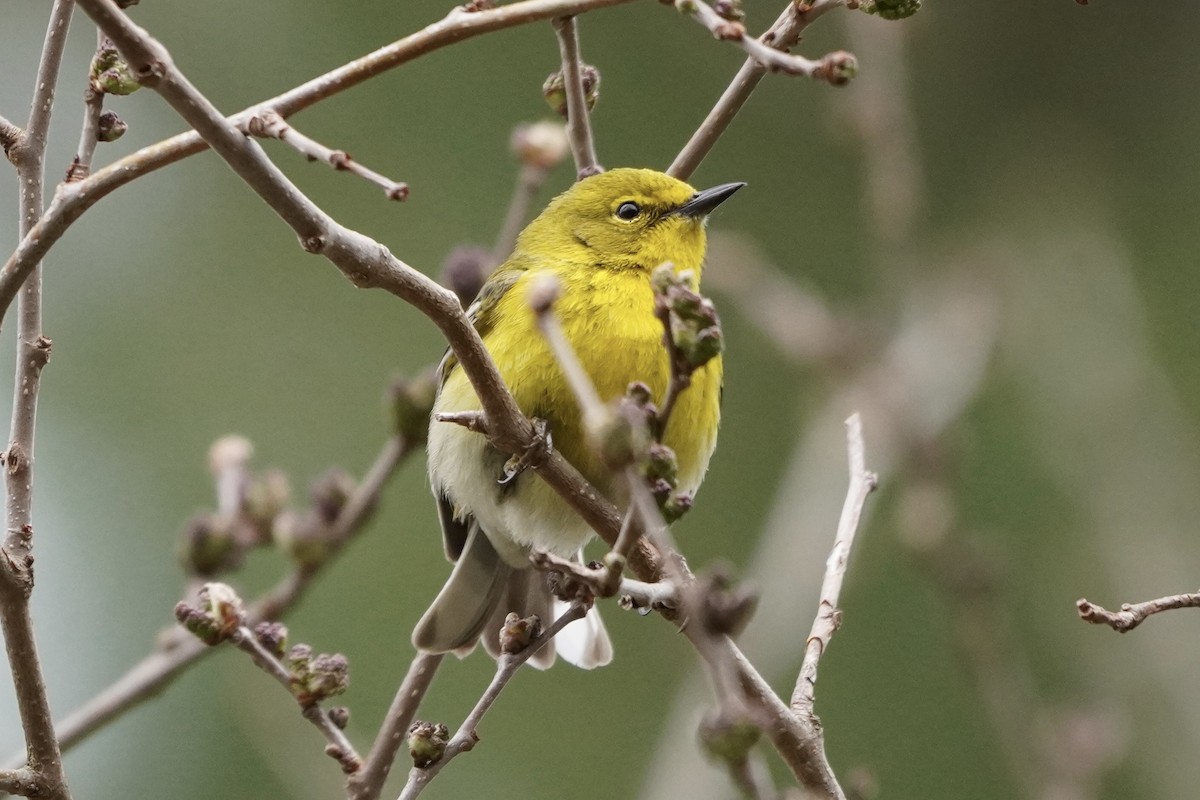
{"points": [[482, 313]]}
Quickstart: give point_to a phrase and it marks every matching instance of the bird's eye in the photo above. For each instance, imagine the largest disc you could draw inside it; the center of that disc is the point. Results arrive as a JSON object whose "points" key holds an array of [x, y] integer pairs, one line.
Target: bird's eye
{"points": [[628, 210]]}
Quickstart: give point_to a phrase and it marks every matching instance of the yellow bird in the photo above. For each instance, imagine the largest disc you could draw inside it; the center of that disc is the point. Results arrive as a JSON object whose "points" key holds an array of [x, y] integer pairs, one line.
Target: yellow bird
{"points": [[601, 239]]}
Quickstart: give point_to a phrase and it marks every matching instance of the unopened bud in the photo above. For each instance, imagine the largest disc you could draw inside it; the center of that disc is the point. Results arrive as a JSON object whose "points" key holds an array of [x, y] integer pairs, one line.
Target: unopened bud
{"points": [[109, 72], [427, 743], [541, 144], [110, 127], [554, 89], [411, 401], [891, 9], [517, 632], [465, 270]]}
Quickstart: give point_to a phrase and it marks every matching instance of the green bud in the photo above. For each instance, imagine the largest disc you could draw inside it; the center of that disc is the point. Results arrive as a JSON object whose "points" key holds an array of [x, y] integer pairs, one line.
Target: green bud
{"points": [[427, 743], [727, 740], [304, 537], [891, 9], [660, 464], [675, 506], [110, 127], [555, 91], [207, 546], [109, 72], [317, 678], [217, 615], [267, 495], [411, 402]]}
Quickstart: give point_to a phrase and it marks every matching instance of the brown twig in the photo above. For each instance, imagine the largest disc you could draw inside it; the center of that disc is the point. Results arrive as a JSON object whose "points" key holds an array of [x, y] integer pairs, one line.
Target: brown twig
{"points": [[27, 154], [368, 782], [89, 132], [836, 68], [829, 617], [579, 126], [1133, 614], [73, 200], [466, 736], [368, 264], [781, 35], [269, 124], [339, 747], [179, 650]]}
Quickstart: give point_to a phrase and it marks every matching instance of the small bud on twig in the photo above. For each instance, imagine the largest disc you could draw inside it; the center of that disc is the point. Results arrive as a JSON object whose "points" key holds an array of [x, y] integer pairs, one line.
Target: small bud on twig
{"points": [[272, 636], [110, 127], [411, 401], [517, 632], [427, 743], [541, 144], [554, 89], [109, 73], [465, 270], [217, 616]]}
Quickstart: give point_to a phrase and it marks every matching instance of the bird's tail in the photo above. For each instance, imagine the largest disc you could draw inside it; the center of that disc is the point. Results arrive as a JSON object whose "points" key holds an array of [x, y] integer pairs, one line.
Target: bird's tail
{"points": [[480, 593]]}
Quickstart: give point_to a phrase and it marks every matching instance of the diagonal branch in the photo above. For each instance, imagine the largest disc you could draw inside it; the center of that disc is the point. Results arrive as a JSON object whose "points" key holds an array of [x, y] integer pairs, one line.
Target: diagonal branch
{"points": [[784, 33], [829, 617]]}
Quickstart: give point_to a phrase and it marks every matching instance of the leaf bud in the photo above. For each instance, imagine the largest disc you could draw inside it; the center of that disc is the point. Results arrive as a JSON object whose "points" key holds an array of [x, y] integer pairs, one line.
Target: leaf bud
{"points": [[207, 546], [465, 270], [518, 632], [411, 401], [427, 743], [109, 73], [272, 636], [554, 89], [541, 144], [110, 127], [891, 9]]}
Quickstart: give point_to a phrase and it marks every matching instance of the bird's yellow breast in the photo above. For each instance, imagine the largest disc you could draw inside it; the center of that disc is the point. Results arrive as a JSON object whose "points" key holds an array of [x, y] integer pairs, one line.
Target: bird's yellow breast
{"points": [[608, 317]]}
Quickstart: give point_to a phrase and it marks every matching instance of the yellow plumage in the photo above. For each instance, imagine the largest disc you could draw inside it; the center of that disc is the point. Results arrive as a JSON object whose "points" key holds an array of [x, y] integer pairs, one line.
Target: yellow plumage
{"points": [[601, 239]]}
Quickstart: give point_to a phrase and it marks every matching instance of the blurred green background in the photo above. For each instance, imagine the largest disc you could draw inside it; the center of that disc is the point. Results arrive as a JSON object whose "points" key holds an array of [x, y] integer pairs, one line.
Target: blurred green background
{"points": [[1014, 255]]}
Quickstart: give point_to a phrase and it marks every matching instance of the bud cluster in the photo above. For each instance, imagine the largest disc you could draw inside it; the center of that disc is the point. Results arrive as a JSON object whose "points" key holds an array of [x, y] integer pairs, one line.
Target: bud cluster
{"points": [[316, 678], [891, 9], [216, 617], [109, 74], [690, 319], [554, 89]]}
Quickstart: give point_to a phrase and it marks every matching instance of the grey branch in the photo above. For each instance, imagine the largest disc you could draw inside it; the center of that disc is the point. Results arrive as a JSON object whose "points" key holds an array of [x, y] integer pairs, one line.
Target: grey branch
{"points": [[466, 737], [27, 154], [828, 618], [781, 35], [1133, 614], [271, 125], [579, 126], [835, 68]]}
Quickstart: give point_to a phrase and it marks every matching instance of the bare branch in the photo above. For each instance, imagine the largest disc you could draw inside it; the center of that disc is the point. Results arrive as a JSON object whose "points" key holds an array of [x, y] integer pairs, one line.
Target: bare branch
{"points": [[22, 782], [828, 619], [72, 201], [339, 747], [465, 737], [269, 124], [836, 68], [368, 782], [1133, 614], [179, 650], [781, 35], [579, 127], [33, 351]]}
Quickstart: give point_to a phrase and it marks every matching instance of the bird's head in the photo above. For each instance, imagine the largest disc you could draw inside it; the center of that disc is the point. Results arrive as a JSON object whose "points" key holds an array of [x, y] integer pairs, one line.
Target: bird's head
{"points": [[626, 219]]}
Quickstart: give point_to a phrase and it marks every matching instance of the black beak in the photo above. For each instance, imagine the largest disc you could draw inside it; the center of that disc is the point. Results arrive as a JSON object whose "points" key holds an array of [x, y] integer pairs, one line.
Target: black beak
{"points": [[702, 203]]}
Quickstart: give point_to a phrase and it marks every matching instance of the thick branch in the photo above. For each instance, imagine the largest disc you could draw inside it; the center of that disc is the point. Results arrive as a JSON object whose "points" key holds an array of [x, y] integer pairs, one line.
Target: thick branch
{"points": [[1133, 614], [72, 201]]}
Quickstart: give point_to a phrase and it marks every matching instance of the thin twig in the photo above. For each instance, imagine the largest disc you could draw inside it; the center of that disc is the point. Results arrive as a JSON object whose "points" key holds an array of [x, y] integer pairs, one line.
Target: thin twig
{"points": [[1133, 614], [89, 131], [179, 649], [33, 351], [368, 782], [829, 617], [529, 182], [579, 126], [72, 200], [271, 125], [369, 264], [781, 35], [466, 736], [836, 67], [339, 746]]}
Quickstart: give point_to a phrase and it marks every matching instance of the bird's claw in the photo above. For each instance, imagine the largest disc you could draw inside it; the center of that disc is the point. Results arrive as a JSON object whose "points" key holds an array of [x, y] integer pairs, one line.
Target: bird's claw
{"points": [[533, 455]]}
